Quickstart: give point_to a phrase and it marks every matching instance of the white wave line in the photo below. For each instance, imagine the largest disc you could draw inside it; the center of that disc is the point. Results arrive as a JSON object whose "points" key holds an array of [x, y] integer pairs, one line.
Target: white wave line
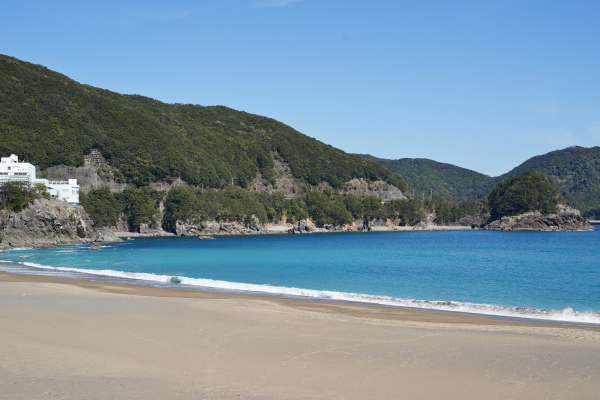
{"points": [[566, 315]]}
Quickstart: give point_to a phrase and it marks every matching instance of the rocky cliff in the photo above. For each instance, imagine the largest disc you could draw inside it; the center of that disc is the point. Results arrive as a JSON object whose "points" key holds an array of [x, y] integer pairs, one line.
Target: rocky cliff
{"points": [[212, 228], [48, 223], [564, 219]]}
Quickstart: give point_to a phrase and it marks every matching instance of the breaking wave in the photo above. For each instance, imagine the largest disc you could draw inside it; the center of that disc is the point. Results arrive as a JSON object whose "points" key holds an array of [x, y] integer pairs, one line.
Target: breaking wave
{"points": [[567, 315]]}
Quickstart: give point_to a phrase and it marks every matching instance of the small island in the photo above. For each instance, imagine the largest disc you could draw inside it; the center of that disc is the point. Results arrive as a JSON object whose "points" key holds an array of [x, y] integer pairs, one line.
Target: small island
{"points": [[531, 201]]}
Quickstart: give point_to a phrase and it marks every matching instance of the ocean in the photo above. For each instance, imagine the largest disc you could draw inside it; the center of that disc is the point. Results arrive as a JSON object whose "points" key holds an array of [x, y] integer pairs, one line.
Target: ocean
{"points": [[553, 276]]}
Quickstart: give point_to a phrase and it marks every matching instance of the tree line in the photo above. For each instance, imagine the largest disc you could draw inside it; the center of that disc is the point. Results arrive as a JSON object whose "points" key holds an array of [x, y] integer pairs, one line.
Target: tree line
{"points": [[233, 204]]}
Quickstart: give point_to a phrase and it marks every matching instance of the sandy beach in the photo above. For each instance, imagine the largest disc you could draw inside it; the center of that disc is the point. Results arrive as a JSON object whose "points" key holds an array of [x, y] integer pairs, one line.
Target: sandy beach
{"points": [[64, 338]]}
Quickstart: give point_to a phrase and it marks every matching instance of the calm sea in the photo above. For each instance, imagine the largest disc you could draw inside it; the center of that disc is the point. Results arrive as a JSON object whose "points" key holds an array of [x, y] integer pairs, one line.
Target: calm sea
{"points": [[548, 275]]}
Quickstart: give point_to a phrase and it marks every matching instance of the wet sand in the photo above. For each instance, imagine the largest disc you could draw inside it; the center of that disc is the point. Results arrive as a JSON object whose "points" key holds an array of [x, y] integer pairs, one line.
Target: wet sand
{"points": [[65, 338]]}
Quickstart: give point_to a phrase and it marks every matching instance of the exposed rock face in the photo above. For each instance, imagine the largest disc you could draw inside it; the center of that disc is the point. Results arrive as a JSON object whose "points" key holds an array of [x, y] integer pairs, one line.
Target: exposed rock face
{"points": [[211, 228], [565, 219], [362, 226], [302, 227], [152, 229], [48, 223], [474, 221], [381, 189]]}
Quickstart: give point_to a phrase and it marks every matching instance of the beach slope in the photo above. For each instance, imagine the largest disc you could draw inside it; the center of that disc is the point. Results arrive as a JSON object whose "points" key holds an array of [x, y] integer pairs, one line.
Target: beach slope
{"points": [[63, 338]]}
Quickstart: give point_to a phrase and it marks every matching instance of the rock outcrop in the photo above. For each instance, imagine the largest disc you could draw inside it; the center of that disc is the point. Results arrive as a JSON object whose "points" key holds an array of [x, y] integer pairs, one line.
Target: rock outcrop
{"points": [[212, 228], [565, 219], [302, 227], [49, 223], [473, 221], [152, 229], [381, 189]]}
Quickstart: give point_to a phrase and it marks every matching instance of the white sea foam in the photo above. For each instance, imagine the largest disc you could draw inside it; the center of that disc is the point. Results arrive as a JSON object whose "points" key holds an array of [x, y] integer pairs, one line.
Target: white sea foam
{"points": [[566, 315]]}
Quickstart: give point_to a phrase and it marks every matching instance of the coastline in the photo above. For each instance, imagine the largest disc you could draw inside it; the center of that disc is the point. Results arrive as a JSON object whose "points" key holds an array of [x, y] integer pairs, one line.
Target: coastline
{"points": [[283, 229], [565, 312], [69, 337], [353, 309]]}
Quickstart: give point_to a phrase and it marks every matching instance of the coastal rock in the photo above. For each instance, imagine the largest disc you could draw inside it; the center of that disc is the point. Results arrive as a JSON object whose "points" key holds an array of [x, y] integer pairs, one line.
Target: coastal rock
{"points": [[474, 221], [565, 219], [303, 227], [49, 223], [211, 228], [4, 215], [152, 229]]}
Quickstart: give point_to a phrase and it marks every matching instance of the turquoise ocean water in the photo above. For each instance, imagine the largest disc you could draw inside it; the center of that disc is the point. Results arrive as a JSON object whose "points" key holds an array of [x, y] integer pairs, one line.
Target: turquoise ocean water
{"points": [[548, 275]]}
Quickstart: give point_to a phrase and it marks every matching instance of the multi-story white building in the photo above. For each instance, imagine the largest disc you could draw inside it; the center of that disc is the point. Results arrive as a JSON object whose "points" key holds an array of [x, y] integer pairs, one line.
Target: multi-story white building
{"points": [[11, 170]]}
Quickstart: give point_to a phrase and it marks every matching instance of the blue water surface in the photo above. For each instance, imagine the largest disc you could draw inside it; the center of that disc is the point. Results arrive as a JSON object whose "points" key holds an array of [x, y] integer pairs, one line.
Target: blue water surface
{"points": [[542, 270]]}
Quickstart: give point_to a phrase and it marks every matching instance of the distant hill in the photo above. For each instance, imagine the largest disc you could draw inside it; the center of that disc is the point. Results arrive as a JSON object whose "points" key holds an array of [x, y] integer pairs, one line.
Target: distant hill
{"points": [[576, 170], [452, 182], [49, 119], [527, 191]]}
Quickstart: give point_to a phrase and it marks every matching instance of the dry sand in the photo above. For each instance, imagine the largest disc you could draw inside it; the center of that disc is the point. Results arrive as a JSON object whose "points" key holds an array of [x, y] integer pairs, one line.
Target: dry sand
{"points": [[71, 339]]}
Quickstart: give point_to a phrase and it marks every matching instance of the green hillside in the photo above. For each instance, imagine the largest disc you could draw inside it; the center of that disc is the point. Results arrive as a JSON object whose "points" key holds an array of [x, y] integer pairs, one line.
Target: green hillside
{"points": [[530, 190], [452, 182], [576, 170], [48, 119]]}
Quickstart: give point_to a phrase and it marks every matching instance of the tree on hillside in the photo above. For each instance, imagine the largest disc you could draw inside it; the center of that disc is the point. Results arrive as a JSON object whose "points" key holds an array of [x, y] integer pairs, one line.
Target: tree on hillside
{"points": [[15, 195], [527, 191]]}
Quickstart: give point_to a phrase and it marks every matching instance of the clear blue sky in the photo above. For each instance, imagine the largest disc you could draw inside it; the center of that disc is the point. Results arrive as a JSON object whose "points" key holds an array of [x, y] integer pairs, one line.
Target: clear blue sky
{"points": [[480, 84]]}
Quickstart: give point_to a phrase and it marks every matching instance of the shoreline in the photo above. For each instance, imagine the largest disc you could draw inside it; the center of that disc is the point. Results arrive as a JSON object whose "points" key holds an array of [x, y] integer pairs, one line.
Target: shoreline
{"points": [[362, 309], [280, 229], [70, 338], [565, 316]]}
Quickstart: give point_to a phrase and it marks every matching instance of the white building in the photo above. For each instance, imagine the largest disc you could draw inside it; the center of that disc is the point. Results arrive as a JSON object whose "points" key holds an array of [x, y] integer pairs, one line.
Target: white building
{"points": [[11, 170]]}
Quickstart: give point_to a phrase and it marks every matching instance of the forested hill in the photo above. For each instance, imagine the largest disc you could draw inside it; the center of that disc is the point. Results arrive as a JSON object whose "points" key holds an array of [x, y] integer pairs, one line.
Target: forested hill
{"points": [[48, 119], [576, 170], [452, 182]]}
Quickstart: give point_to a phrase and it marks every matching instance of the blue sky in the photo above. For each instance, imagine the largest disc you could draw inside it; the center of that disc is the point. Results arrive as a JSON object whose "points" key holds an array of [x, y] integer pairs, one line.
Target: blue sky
{"points": [[480, 84]]}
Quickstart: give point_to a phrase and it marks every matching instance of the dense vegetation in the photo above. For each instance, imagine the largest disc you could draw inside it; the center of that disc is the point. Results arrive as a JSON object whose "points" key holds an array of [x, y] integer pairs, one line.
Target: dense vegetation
{"points": [[248, 207], [524, 192], [323, 208], [229, 205], [48, 119], [428, 176], [326, 208], [15, 196], [134, 206], [576, 170]]}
